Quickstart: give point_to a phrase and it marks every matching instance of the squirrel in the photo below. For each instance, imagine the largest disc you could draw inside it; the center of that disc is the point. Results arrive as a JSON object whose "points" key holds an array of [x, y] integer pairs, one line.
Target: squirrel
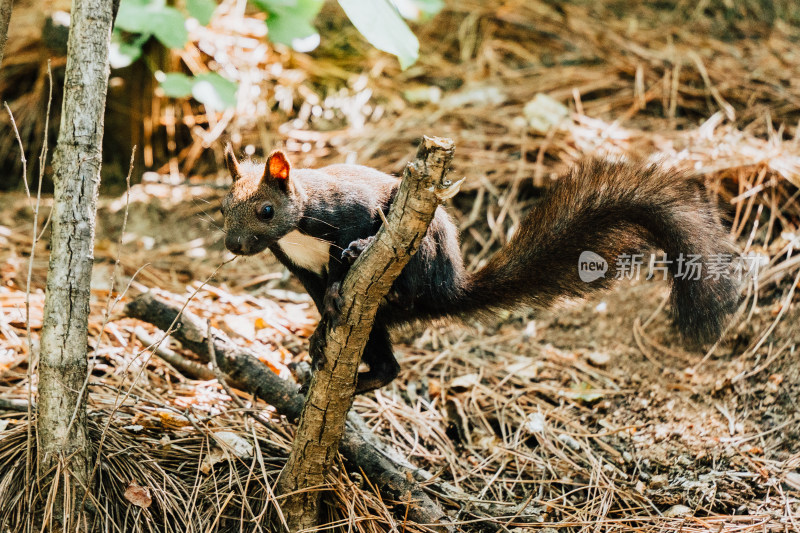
{"points": [[317, 221]]}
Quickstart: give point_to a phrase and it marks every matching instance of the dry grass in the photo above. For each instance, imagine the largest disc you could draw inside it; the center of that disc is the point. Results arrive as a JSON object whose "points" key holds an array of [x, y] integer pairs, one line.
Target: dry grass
{"points": [[500, 426]]}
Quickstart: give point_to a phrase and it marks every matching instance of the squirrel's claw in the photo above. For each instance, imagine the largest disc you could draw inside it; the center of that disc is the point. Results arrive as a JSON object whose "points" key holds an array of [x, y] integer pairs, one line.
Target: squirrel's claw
{"points": [[356, 248], [448, 191]]}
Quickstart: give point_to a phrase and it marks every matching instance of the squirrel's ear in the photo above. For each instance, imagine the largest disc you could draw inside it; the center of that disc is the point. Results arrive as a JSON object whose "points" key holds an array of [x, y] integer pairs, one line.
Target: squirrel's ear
{"points": [[278, 167], [231, 162]]}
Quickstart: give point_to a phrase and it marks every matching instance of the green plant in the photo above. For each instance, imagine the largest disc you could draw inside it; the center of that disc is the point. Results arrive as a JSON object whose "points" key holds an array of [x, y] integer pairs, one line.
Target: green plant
{"points": [[289, 22]]}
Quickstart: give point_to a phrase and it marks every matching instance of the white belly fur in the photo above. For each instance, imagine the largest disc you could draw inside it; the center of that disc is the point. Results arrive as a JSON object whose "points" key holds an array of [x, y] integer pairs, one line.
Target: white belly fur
{"points": [[306, 251]]}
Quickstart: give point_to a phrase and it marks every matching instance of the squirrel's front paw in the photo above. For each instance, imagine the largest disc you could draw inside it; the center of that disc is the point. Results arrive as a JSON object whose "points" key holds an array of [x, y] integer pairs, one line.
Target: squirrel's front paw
{"points": [[333, 303], [351, 253]]}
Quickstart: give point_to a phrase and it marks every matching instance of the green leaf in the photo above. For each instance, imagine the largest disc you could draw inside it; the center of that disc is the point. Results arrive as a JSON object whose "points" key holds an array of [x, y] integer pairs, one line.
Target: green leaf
{"points": [[153, 17], [136, 16], [381, 24], [169, 27], [132, 17], [429, 8], [214, 91], [202, 10], [289, 22], [154, 4], [210, 89], [417, 10], [122, 53], [177, 85]]}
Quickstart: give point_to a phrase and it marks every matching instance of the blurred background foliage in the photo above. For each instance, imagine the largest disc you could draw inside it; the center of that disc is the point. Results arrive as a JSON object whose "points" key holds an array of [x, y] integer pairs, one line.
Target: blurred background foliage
{"points": [[189, 73], [149, 39]]}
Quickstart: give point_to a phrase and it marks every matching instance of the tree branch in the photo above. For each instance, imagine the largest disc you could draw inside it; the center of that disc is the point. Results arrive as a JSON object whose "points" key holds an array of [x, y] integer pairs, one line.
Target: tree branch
{"points": [[322, 423], [360, 447]]}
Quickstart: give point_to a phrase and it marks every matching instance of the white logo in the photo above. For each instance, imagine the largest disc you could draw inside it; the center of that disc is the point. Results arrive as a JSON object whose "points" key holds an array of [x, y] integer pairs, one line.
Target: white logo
{"points": [[591, 266]]}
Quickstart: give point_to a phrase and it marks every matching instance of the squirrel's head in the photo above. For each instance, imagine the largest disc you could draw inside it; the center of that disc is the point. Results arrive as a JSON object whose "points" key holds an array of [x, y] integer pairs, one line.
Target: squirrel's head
{"points": [[261, 206]]}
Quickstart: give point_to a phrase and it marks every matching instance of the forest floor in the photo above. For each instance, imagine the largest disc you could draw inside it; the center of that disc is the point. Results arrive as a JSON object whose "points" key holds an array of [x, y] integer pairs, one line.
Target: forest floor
{"points": [[592, 416], [592, 413]]}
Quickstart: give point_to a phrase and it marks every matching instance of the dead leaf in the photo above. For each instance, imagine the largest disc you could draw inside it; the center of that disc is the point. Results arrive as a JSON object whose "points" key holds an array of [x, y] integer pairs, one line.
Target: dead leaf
{"points": [[599, 358], [535, 423], [553, 353], [792, 479], [213, 457], [777, 379], [544, 112], [239, 446], [12, 307], [434, 388], [241, 326], [677, 511], [227, 442], [569, 441], [138, 495], [466, 381], [272, 360], [584, 392], [170, 420], [525, 368]]}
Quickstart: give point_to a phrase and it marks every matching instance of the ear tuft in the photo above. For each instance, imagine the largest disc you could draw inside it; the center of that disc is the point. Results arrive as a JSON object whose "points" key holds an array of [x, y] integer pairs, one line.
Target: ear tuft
{"points": [[278, 165], [231, 162]]}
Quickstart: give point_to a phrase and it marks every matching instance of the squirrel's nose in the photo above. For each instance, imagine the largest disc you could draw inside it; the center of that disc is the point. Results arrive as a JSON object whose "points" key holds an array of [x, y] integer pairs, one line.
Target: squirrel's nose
{"points": [[233, 244], [239, 245]]}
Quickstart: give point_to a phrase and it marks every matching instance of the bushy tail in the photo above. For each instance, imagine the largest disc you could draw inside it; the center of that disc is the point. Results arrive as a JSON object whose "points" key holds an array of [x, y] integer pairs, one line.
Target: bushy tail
{"points": [[610, 209]]}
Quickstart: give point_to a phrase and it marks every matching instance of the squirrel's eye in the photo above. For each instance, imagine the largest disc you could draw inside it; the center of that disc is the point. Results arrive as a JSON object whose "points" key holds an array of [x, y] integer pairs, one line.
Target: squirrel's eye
{"points": [[265, 212]]}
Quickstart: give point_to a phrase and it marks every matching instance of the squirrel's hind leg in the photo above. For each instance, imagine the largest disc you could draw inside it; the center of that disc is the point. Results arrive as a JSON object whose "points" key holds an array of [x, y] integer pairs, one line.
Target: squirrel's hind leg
{"points": [[383, 366]]}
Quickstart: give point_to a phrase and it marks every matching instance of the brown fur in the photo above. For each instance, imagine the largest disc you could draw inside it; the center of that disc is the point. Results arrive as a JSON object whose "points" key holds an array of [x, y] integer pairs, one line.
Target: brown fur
{"points": [[611, 209]]}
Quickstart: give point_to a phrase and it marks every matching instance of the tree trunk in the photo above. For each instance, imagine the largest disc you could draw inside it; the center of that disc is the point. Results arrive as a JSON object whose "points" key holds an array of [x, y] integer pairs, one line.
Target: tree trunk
{"points": [[330, 394], [5, 18], [61, 424]]}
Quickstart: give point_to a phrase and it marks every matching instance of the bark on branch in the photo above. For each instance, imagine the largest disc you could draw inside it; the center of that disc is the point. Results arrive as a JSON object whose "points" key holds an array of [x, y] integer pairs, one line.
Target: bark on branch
{"points": [[322, 423], [6, 6], [360, 447]]}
